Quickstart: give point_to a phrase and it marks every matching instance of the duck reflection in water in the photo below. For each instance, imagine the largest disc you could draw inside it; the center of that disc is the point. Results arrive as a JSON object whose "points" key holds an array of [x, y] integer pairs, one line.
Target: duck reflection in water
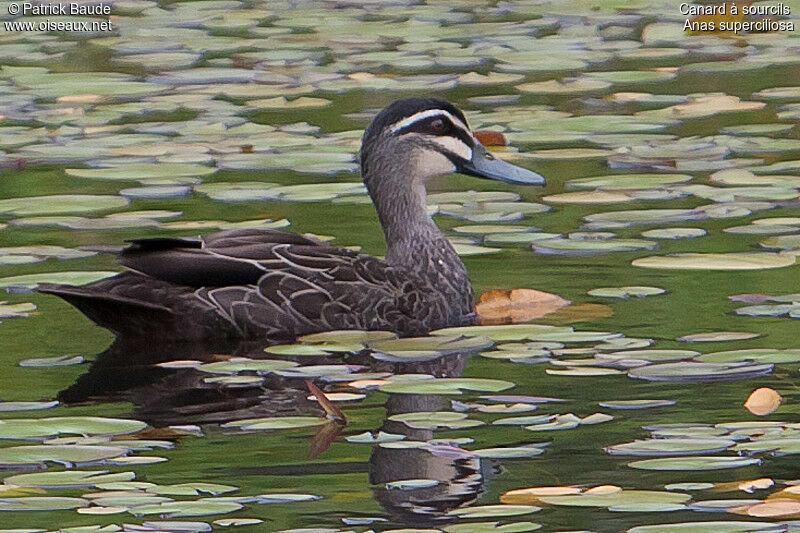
{"points": [[129, 371]]}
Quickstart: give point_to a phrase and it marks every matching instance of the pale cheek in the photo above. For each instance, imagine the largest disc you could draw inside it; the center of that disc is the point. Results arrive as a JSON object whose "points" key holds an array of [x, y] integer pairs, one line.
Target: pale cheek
{"points": [[430, 164]]}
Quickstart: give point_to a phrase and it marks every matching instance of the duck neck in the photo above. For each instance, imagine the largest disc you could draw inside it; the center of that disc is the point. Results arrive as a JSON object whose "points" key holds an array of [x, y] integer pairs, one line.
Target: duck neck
{"points": [[413, 241]]}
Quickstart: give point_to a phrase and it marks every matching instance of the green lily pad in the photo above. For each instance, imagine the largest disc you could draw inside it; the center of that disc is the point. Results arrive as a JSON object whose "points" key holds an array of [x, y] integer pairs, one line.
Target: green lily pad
{"points": [[243, 364], [63, 203], [379, 437], [569, 87], [513, 332], [636, 404], [625, 292], [671, 447], [277, 422], [623, 497], [29, 428], [519, 452], [347, 337], [302, 350], [492, 527], [619, 182], [713, 261], [13, 407], [27, 456], [73, 479], [435, 420], [655, 356], [491, 511], [756, 355], [443, 344], [674, 233], [561, 422], [446, 386], [687, 371], [52, 362], [731, 526], [42, 503], [187, 508], [718, 336], [411, 484], [699, 463], [30, 281], [591, 247]]}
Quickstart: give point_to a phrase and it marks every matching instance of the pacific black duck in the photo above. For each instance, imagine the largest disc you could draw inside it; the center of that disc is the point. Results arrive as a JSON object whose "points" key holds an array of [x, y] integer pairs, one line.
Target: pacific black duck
{"points": [[275, 285]]}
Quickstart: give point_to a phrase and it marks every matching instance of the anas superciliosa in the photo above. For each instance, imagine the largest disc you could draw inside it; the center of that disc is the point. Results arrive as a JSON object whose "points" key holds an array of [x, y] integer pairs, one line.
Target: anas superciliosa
{"points": [[275, 285]]}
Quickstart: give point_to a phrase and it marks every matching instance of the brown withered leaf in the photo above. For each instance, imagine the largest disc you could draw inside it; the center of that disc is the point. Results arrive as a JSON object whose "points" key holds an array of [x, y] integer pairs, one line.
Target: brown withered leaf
{"points": [[490, 138], [763, 401], [516, 306]]}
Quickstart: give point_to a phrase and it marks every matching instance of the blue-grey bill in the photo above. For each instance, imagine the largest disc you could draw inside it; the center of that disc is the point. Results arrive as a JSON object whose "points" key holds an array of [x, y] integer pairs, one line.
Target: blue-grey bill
{"points": [[485, 165]]}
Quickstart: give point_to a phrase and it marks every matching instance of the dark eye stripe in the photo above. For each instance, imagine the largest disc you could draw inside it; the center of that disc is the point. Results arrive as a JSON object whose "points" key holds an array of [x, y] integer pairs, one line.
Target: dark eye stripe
{"points": [[424, 126]]}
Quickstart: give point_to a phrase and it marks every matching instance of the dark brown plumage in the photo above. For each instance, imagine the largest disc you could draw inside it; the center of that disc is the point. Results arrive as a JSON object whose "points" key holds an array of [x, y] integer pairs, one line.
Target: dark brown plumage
{"points": [[275, 286]]}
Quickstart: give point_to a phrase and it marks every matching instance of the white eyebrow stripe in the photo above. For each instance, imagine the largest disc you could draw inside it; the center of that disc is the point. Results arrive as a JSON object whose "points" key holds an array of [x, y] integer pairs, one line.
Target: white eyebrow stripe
{"points": [[423, 115], [455, 146]]}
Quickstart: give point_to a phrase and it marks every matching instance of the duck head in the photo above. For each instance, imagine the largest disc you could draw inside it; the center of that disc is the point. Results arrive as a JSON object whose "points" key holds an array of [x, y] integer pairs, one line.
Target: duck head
{"points": [[416, 139]]}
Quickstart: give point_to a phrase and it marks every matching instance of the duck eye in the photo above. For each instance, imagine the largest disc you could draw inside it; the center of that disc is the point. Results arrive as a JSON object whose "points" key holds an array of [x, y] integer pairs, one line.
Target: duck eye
{"points": [[438, 126]]}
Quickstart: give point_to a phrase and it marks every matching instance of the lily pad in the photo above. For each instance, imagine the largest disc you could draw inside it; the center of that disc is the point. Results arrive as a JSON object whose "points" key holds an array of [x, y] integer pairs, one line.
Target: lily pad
{"points": [[636, 404], [674, 233], [699, 463], [718, 336], [446, 386], [626, 292], [277, 422], [64, 203], [27, 456], [30, 281], [700, 372], [42, 503], [491, 511], [714, 261], [622, 497], [671, 447], [52, 362]]}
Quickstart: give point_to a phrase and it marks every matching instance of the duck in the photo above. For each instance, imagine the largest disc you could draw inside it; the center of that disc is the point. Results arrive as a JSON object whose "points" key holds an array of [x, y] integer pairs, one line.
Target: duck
{"points": [[274, 286]]}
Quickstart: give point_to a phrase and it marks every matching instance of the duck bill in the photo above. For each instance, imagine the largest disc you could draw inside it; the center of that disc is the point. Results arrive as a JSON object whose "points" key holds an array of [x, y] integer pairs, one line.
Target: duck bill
{"points": [[484, 165]]}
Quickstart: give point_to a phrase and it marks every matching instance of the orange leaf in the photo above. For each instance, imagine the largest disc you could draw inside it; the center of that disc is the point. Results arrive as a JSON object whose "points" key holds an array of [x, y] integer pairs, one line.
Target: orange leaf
{"points": [[517, 306], [490, 138]]}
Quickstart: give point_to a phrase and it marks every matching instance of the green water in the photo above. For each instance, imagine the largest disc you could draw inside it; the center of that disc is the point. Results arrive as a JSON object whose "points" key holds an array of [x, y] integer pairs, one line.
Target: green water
{"points": [[349, 477]]}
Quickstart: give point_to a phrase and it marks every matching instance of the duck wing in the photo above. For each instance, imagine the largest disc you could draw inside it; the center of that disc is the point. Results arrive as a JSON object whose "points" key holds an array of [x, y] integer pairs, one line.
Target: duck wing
{"points": [[261, 284]]}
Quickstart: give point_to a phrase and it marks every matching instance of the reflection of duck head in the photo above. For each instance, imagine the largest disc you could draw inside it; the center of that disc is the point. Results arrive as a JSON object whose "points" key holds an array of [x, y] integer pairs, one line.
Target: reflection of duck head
{"points": [[460, 477]]}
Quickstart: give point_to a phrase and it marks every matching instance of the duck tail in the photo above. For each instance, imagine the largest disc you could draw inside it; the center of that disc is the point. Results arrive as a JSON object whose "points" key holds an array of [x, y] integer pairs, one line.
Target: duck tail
{"points": [[118, 313]]}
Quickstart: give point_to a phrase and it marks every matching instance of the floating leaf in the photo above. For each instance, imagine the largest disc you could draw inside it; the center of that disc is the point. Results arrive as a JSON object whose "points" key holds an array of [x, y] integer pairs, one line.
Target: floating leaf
{"points": [[704, 462], [65, 203], [52, 362], [671, 447], [626, 292], [447, 386], [699, 372], [278, 422], [718, 336], [491, 511], [763, 401], [411, 484], [616, 498], [729, 261], [30, 281], [636, 404], [435, 420]]}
